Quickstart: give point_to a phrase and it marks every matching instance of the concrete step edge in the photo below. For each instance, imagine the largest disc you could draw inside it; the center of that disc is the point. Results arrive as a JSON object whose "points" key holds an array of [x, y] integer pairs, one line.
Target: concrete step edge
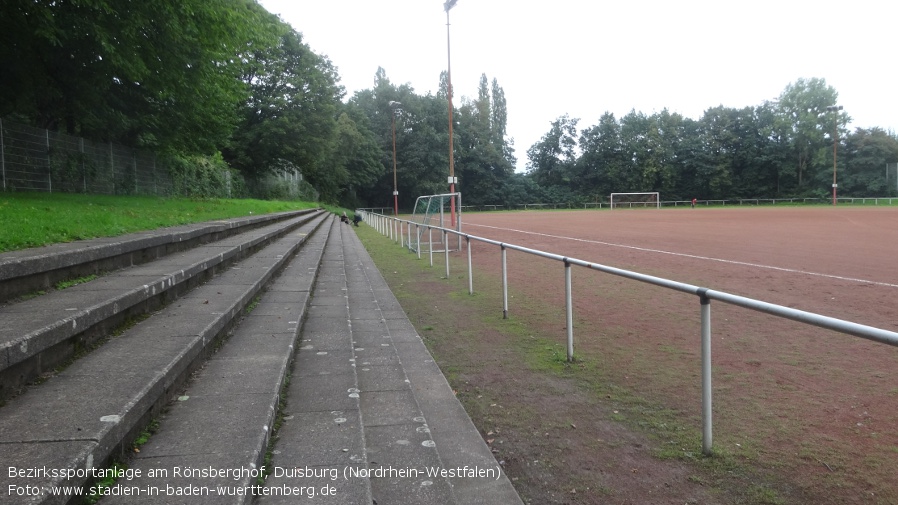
{"points": [[29, 270], [35, 352], [98, 447]]}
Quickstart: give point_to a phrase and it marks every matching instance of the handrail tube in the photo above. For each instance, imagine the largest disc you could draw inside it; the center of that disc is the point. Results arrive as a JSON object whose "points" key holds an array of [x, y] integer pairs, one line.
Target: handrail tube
{"points": [[830, 323]]}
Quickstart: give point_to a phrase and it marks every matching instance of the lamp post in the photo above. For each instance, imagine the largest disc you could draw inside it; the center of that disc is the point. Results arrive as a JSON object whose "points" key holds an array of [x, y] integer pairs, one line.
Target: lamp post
{"points": [[452, 180], [836, 109], [394, 106]]}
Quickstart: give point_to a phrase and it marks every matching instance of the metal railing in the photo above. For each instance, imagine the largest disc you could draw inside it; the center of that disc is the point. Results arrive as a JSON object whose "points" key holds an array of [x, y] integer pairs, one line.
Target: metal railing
{"points": [[850, 200], [402, 229]]}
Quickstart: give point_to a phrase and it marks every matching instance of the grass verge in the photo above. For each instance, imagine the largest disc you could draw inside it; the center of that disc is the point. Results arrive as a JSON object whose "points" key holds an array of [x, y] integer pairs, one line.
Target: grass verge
{"points": [[37, 219]]}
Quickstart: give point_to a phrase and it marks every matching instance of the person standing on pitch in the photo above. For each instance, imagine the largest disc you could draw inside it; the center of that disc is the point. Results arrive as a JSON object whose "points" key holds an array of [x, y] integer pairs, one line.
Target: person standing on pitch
{"points": [[693, 203]]}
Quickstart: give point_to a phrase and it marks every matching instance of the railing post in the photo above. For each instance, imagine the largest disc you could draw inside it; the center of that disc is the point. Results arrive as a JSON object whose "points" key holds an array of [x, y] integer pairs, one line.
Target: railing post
{"points": [[430, 247], [470, 268], [418, 239], [504, 284], [446, 250], [707, 439], [569, 309], [401, 234]]}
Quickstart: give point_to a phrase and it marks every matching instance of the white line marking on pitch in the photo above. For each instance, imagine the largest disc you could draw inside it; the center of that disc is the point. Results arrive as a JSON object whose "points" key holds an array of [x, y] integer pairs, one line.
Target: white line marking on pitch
{"points": [[732, 262]]}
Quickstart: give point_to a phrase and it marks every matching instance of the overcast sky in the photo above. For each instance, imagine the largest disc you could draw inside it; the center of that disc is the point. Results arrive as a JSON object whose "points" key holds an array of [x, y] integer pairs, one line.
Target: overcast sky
{"points": [[584, 57]]}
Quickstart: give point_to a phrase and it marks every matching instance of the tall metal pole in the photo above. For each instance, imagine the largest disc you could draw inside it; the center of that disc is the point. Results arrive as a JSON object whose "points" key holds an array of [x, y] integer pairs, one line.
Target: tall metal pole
{"points": [[393, 106], [835, 109], [448, 5]]}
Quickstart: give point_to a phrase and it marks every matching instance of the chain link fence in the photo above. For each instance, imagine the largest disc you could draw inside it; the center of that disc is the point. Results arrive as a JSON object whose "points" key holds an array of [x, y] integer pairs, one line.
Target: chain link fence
{"points": [[33, 159]]}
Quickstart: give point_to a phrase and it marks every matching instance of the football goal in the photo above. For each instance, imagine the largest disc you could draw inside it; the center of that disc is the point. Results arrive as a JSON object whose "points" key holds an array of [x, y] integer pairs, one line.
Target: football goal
{"points": [[635, 200], [436, 210]]}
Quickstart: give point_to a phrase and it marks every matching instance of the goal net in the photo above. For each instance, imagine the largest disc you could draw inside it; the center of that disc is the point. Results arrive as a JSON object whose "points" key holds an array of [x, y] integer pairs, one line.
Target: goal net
{"points": [[635, 200], [436, 210]]}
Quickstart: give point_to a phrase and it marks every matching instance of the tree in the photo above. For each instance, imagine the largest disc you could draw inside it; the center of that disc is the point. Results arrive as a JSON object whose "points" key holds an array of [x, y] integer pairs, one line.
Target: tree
{"points": [[552, 159], [484, 159], [862, 163], [803, 105], [159, 74], [421, 141], [291, 114], [601, 162]]}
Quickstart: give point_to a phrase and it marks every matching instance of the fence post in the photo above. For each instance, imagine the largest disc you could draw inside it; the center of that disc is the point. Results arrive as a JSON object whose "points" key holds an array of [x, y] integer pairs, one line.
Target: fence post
{"points": [[83, 169], [112, 167], [470, 268], [504, 284], [430, 246], [418, 239], [569, 309], [2, 154], [49, 163], [707, 440]]}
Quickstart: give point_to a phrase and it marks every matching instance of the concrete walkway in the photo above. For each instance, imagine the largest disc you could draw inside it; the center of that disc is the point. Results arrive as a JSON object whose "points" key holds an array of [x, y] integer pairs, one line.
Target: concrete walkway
{"points": [[369, 414]]}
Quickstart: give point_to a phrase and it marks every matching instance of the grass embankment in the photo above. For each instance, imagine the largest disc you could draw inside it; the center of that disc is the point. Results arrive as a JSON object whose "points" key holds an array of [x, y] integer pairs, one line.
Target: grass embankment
{"points": [[37, 219], [565, 431]]}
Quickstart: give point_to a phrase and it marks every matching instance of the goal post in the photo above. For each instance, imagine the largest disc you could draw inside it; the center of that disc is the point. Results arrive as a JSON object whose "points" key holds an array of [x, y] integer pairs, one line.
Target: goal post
{"points": [[635, 200], [435, 210]]}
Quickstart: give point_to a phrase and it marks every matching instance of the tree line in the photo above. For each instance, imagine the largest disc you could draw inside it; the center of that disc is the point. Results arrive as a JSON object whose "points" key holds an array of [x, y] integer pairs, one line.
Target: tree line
{"points": [[224, 82], [781, 148]]}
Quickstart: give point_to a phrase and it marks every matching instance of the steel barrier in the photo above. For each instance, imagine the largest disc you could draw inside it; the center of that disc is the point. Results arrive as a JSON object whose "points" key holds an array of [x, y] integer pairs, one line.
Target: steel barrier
{"points": [[382, 223]]}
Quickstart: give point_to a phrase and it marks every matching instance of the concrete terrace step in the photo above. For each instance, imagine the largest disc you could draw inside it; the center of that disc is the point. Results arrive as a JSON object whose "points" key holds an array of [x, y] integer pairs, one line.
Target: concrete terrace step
{"points": [[369, 414], [91, 411], [30, 270], [229, 407], [42, 332]]}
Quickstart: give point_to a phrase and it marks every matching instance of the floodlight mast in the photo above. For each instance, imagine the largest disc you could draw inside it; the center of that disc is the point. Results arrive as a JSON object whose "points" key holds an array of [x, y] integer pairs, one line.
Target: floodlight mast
{"points": [[836, 109], [452, 179], [394, 106]]}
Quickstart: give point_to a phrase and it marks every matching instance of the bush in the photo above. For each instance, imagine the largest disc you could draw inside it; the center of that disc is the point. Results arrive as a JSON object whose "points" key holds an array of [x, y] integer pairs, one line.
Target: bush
{"points": [[205, 177]]}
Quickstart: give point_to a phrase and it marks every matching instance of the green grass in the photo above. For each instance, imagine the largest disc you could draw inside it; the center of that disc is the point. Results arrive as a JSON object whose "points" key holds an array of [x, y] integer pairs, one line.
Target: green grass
{"points": [[37, 219], [74, 282], [95, 492]]}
